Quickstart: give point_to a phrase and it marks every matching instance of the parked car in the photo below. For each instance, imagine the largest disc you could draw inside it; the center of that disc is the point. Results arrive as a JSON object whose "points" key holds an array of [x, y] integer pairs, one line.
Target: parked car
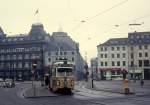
{"points": [[8, 83]]}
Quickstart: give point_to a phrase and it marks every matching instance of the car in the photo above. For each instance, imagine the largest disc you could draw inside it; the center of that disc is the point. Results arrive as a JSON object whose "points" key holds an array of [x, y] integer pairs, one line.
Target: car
{"points": [[8, 83]]}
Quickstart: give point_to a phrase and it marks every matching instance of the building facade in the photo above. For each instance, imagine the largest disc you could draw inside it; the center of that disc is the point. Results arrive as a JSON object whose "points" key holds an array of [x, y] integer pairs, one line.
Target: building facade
{"points": [[130, 54], [139, 55], [112, 58], [18, 52]]}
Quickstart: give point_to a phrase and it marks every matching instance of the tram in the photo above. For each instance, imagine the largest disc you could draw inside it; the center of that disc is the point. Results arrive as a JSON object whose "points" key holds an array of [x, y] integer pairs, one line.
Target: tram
{"points": [[62, 76]]}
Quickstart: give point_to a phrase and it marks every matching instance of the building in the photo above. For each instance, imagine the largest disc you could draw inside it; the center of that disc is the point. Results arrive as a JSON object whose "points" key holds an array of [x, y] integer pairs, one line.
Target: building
{"points": [[18, 52], [130, 54], [139, 55], [63, 47], [112, 58]]}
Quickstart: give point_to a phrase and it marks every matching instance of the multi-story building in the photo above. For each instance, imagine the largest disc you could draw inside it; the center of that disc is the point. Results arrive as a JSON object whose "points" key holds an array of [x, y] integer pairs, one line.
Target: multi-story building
{"points": [[139, 55], [18, 52], [112, 58], [65, 48], [130, 54]]}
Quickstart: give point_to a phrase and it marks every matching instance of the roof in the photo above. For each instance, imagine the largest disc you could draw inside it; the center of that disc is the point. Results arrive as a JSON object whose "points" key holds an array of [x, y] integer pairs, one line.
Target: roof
{"points": [[139, 38], [115, 41]]}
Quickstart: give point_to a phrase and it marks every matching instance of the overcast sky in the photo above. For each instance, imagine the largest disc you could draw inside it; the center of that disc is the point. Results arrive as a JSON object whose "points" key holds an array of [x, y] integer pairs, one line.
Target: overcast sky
{"points": [[89, 22]]}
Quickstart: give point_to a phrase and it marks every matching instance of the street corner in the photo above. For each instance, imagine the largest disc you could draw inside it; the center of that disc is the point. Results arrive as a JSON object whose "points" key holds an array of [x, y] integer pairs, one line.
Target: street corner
{"points": [[38, 92]]}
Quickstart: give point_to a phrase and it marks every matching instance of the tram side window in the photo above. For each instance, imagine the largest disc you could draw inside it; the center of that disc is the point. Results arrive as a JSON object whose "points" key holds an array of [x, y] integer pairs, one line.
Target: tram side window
{"points": [[69, 72]]}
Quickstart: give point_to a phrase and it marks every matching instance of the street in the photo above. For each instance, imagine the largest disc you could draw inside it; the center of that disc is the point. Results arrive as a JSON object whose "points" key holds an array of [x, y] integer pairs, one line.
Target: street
{"points": [[81, 96]]}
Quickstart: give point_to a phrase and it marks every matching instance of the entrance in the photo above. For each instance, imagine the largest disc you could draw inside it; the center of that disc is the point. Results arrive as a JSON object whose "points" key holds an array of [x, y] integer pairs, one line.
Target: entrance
{"points": [[147, 74]]}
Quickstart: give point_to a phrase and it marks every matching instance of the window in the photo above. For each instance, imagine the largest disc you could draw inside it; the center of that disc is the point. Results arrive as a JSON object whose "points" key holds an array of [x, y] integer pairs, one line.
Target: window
{"points": [[145, 47], [131, 48], [105, 48], [101, 55], [140, 54], [132, 55], [105, 55], [56, 53], [118, 63], [112, 55], [113, 63], [140, 47], [102, 64], [123, 48], [72, 58], [118, 55], [124, 55], [146, 54], [118, 48], [60, 53], [20, 57], [101, 48], [20, 65], [65, 53], [8, 57], [132, 63], [105, 63], [140, 63], [72, 53], [26, 56], [26, 65], [49, 53], [112, 72], [49, 59], [146, 63], [14, 57], [124, 63], [112, 48]]}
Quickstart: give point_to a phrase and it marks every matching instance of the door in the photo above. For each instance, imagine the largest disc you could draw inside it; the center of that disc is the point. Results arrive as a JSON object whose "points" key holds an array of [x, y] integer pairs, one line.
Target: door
{"points": [[147, 74]]}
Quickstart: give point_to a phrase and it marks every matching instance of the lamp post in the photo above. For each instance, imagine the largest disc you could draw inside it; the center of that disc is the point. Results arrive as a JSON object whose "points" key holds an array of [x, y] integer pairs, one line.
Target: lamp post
{"points": [[34, 66], [86, 70], [92, 76]]}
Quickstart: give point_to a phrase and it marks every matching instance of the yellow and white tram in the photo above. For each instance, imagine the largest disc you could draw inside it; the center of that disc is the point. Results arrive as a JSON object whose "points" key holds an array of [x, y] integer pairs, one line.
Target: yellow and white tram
{"points": [[62, 76]]}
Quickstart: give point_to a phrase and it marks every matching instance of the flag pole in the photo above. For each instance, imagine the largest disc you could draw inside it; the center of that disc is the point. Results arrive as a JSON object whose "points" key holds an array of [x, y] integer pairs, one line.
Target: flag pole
{"points": [[37, 15]]}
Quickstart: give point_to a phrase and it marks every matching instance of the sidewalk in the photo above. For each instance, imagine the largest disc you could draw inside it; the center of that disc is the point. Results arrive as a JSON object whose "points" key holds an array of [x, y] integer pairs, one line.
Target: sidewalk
{"points": [[117, 87], [38, 91]]}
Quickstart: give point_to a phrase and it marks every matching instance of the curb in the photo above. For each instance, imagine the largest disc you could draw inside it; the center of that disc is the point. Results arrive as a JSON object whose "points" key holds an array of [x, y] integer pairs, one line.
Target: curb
{"points": [[111, 91], [24, 94]]}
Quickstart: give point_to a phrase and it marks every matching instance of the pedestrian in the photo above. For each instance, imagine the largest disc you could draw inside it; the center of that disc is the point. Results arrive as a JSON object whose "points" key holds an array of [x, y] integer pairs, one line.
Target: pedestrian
{"points": [[142, 82], [46, 81]]}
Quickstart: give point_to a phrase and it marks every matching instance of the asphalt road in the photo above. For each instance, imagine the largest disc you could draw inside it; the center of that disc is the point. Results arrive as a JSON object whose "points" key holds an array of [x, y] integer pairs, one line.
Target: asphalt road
{"points": [[81, 96]]}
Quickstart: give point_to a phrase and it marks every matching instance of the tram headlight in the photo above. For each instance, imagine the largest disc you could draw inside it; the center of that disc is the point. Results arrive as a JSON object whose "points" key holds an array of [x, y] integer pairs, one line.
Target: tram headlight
{"points": [[57, 82]]}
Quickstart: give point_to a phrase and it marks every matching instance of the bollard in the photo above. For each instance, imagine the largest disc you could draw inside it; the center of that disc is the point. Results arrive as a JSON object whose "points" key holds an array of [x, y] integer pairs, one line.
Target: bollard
{"points": [[126, 86]]}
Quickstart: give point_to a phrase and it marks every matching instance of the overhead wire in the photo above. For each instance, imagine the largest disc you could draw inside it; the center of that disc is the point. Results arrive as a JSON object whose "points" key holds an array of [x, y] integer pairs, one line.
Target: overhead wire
{"points": [[98, 14]]}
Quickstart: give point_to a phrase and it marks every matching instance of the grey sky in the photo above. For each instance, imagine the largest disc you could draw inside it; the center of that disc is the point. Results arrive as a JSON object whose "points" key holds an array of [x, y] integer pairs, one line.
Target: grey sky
{"points": [[17, 16]]}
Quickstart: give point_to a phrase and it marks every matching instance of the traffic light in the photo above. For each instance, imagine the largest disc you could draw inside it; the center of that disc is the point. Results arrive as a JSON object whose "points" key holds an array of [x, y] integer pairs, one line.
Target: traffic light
{"points": [[34, 64]]}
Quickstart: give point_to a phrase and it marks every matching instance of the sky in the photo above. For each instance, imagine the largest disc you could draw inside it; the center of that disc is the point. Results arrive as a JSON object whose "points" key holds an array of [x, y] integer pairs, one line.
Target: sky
{"points": [[88, 22]]}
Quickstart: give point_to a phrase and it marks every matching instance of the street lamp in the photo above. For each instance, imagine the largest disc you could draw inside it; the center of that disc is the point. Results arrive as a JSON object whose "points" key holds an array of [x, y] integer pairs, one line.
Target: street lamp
{"points": [[34, 66], [92, 76]]}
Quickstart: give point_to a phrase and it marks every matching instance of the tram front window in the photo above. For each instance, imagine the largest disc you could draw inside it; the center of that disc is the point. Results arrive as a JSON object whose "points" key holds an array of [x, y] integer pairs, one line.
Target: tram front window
{"points": [[64, 72]]}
